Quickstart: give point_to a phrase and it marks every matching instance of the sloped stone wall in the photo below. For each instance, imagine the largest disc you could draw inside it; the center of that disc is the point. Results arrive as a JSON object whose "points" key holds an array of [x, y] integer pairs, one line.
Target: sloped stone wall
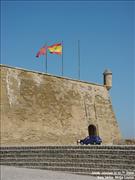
{"points": [[43, 109]]}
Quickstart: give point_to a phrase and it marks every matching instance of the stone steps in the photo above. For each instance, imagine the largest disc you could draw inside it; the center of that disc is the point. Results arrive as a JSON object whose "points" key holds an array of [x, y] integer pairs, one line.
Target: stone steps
{"points": [[108, 165], [71, 153], [85, 170], [101, 161], [117, 147], [66, 152], [83, 157], [67, 160]]}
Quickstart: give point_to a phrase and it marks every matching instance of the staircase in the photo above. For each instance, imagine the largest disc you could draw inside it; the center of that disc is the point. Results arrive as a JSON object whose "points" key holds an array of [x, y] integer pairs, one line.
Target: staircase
{"points": [[111, 162]]}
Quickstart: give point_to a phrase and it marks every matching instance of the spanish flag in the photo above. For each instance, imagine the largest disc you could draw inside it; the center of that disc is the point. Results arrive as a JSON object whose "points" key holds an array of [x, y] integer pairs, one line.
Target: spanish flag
{"points": [[55, 49]]}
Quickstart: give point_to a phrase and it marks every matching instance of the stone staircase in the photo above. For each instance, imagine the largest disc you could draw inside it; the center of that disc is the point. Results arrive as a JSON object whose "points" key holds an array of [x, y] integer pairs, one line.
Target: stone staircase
{"points": [[105, 162]]}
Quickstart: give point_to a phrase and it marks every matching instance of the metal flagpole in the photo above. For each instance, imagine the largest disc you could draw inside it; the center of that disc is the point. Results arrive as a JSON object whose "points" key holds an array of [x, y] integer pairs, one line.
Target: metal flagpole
{"points": [[62, 60], [46, 59], [79, 59]]}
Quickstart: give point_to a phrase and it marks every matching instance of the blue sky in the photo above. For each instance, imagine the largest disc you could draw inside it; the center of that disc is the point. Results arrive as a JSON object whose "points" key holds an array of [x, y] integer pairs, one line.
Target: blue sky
{"points": [[106, 34]]}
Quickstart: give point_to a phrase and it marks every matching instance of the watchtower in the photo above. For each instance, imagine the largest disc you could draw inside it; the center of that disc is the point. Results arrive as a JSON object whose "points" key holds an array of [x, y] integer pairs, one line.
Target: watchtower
{"points": [[107, 79]]}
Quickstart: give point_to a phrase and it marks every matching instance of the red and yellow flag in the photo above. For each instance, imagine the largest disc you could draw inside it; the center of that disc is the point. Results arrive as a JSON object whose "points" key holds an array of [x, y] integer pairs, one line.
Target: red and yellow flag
{"points": [[55, 49], [42, 51]]}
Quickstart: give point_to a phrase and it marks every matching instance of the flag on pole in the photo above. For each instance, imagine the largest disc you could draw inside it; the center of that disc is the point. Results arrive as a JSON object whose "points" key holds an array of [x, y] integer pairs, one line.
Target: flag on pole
{"points": [[55, 49], [42, 51]]}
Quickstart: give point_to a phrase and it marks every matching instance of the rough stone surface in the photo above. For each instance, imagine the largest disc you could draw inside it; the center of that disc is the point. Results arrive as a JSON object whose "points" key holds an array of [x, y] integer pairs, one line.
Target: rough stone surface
{"points": [[12, 173], [43, 109]]}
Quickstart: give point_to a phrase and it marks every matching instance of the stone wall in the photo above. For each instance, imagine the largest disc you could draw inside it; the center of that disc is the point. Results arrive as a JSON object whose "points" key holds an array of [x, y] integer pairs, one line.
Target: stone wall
{"points": [[40, 109]]}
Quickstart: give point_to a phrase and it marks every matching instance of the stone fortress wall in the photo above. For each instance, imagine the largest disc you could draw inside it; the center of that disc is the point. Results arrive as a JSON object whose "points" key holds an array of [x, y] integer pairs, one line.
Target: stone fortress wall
{"points": [[42, 109]]}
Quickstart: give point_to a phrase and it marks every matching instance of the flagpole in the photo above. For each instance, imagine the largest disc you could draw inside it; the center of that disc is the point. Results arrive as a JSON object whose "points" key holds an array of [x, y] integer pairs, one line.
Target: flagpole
{"points": [[46, 61], [62, 60], [46, 58], [79, 59]]}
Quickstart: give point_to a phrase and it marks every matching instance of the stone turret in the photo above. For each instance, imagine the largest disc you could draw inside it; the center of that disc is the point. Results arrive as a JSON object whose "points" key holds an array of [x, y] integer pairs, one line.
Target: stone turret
{"points": [[107, 79]]}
